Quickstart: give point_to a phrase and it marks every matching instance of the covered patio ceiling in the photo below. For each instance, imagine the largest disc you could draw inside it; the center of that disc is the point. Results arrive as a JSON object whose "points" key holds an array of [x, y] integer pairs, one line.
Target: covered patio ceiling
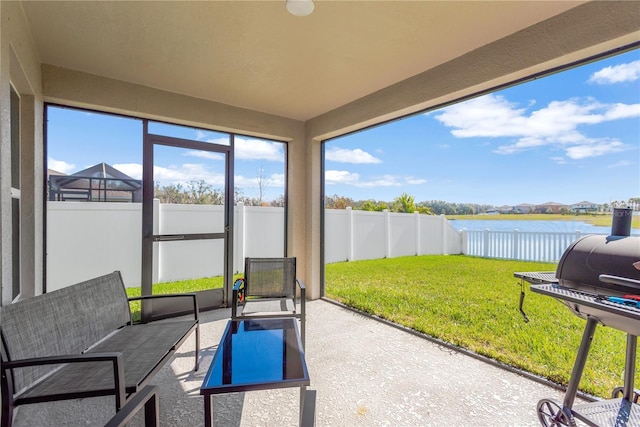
{"points": [[256, 56]]}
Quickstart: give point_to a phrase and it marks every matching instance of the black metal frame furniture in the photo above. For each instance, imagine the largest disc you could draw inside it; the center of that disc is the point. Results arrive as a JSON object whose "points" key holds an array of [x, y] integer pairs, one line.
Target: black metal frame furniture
{"points": [[80, 341], [268, 289], [146, 398], [622, 409], [258, 354]]}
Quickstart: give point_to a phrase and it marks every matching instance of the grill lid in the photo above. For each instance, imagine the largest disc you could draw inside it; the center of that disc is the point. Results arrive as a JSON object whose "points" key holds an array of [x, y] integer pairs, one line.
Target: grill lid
{"points": [[588, 257]]}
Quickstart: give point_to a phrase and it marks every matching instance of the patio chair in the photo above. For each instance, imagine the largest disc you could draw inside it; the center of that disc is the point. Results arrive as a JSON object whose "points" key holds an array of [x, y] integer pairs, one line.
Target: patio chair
{"points": [[269, 289]]}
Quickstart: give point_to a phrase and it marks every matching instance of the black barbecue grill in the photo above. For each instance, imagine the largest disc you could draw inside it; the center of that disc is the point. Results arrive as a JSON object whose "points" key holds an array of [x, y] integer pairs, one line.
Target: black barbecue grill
{"points": [[597, 280]]}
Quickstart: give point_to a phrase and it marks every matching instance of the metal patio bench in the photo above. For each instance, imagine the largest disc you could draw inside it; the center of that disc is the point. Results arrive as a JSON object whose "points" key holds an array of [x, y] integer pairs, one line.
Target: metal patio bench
{"points": [[80, 341]]}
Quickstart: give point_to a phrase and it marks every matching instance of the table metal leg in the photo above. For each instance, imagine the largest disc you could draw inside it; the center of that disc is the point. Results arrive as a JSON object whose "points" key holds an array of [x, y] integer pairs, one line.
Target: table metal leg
{"points": [[308, 409], [303, 389], [208, 411]]}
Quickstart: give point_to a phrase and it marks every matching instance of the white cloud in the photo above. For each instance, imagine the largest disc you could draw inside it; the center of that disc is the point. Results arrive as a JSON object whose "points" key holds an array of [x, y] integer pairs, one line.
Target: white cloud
{"points": [[617, 74], [60, 165], [620, 164], [200, 135], [622, 111], [383, 181], [349, 178], [274, 180], [559, 160], [493, 116], [134, 170], [340, 177], [594, 150], [343, 155], [255, 149], [204, 155], [186, 173], [416, 181], [249, 149]]}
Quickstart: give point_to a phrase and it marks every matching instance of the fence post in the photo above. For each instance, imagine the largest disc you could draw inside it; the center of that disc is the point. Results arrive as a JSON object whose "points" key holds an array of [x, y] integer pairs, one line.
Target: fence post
{"points": [[516, 243], [443, 233], [350, 244], [464, 241], [418, 233], [387, 233], [486, 243]]}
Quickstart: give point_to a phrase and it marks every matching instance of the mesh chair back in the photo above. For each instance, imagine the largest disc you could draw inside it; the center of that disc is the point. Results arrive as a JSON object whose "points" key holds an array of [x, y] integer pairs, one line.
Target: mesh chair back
{"points": [[270, 277]]}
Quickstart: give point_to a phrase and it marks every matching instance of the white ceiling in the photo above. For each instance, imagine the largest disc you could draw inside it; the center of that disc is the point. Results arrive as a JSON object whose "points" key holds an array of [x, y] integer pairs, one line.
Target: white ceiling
{"points": [[255, 55]]}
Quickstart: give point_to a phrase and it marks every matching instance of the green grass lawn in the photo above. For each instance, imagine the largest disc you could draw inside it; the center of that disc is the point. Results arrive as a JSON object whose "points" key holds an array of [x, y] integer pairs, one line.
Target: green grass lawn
{"points": [[178, 287], [473, 303]]}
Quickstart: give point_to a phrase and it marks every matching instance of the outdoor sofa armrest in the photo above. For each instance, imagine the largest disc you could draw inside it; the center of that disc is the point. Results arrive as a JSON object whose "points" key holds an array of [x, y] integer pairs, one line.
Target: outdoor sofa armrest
{"points": [[238, 296], [192, 295], [303, 294], [114, 357], [147, 398], [303, 313]]}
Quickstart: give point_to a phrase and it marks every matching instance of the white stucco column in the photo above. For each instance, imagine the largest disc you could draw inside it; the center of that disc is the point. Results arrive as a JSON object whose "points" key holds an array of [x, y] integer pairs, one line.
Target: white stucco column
{"points": [[20, 69]]}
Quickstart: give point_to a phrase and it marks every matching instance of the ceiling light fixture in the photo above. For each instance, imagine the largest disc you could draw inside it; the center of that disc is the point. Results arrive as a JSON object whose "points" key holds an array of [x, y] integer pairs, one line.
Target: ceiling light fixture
{"points": [[300, 7]]}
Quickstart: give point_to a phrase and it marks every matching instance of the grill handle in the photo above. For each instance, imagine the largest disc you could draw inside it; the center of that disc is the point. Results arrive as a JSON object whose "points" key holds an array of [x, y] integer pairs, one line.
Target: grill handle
{"points": [[621, 281]]}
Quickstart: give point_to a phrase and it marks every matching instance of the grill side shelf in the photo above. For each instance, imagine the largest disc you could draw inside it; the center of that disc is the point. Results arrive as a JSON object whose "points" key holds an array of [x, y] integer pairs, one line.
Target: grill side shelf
{"points": [[615, 412], [537, 277], [610, 314]]}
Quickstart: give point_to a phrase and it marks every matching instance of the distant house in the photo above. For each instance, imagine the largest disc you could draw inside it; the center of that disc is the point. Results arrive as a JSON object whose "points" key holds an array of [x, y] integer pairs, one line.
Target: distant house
{"points": [[551, 207], [584, 207], [523, 208], [98, 183]]}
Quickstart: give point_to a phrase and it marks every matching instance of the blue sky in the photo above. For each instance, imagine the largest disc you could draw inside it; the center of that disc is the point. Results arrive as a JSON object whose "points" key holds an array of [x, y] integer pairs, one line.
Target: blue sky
{"points": [[80, 139], [566, 138]]}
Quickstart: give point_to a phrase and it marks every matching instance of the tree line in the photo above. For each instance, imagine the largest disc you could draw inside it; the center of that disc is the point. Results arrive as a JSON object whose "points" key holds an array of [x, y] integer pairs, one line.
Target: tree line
{"points": [[200, 192], [407, 204]]}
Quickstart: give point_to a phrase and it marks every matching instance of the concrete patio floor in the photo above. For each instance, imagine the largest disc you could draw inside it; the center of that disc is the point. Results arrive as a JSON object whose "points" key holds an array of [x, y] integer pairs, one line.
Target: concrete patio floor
{"points": [[366, 373]]}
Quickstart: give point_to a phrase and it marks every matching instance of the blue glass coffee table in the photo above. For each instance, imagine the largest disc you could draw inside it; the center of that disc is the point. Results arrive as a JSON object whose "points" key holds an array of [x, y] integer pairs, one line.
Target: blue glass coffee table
{"points": [[257, 354]]}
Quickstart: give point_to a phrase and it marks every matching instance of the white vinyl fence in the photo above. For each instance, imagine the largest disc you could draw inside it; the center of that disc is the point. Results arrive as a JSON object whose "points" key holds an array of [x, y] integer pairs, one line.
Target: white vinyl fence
{"points": [[85, 240], [519, 245], [352, 235]]}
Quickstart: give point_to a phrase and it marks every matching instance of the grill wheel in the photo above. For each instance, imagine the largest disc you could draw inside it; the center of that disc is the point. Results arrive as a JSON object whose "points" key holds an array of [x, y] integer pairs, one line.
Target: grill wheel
{"points": [[553, 414]]}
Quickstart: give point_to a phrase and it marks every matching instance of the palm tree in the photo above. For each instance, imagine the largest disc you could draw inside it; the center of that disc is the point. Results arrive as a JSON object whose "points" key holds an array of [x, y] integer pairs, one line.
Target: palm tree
{"points": [[404, 203]]}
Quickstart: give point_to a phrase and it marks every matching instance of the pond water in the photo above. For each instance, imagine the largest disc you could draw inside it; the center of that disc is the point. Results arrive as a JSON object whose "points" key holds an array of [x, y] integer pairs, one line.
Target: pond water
{"points": [[539, 226]]}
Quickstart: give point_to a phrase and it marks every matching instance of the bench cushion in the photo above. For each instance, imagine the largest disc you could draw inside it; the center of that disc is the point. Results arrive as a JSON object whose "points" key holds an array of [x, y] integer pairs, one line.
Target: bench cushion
{"points": [[143, 347], [62, 322]]}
